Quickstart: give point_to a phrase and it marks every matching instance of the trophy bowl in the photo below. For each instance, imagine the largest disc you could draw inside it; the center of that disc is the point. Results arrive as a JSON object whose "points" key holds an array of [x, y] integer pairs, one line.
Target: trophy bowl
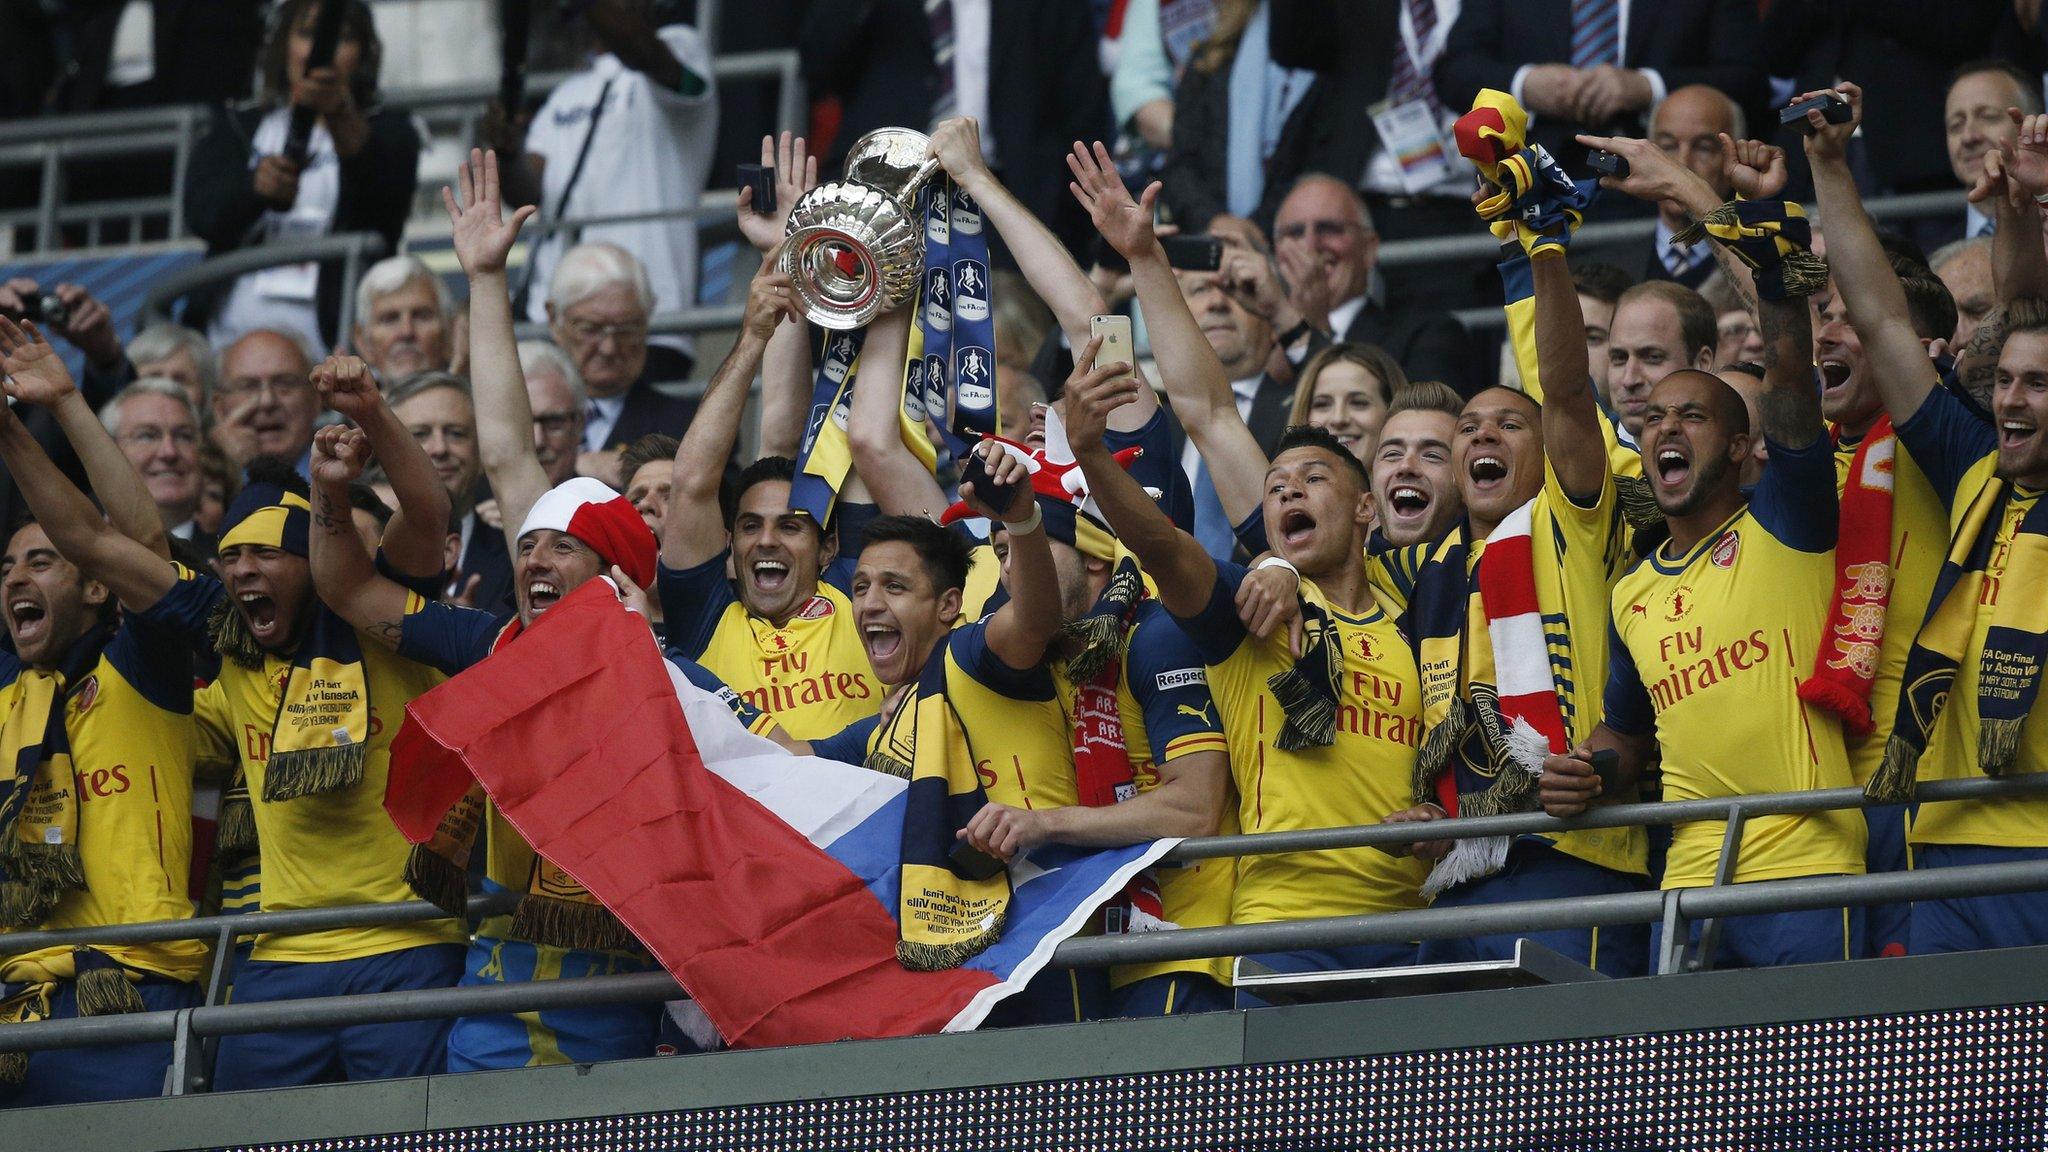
{"points": [[856, 247]]}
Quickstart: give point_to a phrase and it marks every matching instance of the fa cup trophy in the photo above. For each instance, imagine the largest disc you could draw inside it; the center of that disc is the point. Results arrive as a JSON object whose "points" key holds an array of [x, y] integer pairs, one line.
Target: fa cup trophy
{"points": [[856, 247]]}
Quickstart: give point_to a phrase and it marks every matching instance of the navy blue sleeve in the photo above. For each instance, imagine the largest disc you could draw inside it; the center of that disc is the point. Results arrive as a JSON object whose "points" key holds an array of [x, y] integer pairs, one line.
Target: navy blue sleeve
{"points": [[185, 610], [850, 523], [849, 745], [1165, 674], [1251, 533], [692, 600], [1159, 467], [1626, 707], [1216, 631], [154, 659], [1946, 440], [708, 680], [447, 637], [972, 653], [430, 587], [1796, 499]]}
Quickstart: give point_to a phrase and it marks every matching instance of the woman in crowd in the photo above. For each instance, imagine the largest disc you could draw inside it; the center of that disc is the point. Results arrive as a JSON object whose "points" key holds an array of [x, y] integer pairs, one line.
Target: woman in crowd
{"points": [[1346, 388]]}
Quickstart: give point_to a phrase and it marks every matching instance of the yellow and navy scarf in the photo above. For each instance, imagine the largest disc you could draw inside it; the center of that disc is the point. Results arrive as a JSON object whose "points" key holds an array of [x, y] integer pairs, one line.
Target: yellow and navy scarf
{"points": [[553, 909], [1773, 237], [1306, 690], [39, 850], [953, 901], [2009, 674], [104, 988], [320, 737]]}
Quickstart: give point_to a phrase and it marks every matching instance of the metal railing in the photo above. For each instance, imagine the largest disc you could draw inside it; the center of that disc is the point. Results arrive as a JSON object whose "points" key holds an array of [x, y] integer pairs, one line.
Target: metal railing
{"points": [[190, 1029], [48, 144], [353, 249]]}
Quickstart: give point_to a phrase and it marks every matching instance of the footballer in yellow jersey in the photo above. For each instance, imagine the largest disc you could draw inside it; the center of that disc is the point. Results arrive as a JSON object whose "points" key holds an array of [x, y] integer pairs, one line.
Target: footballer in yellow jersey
{"points": [[96, 721]]}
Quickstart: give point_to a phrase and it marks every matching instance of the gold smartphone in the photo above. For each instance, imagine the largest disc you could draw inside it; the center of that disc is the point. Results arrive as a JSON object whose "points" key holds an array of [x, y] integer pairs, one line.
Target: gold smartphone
{"points": [[1115, 334]]}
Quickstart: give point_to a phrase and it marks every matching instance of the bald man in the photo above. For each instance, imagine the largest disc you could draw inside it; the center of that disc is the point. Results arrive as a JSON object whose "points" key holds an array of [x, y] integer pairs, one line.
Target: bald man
{"points": [[1687, 126]]}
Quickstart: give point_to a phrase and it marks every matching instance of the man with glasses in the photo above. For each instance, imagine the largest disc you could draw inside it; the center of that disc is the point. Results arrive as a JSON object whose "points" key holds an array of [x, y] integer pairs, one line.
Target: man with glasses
{"points": [[157, 427], [555, 392], [1323, 224], [265, 404], [598, 305]]}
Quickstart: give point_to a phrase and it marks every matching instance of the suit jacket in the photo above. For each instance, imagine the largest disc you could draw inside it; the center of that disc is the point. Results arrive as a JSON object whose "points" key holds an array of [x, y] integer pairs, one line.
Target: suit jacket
{"points": [[1902, 52], [649, 410], [488, 558], [1351, 52], [1687, 41], [1428, 345], [1045, 90]]}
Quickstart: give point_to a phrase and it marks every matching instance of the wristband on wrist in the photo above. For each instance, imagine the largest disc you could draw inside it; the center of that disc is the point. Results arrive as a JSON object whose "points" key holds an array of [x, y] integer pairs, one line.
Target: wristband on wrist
{"points": [[1026, 527], [1277, 562], [2041, 198]]}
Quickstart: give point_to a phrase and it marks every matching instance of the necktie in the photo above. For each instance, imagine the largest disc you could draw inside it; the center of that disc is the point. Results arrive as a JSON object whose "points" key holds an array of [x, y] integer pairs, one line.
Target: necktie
{"points": [[1986, 226], [939, 14], [1411, 82], [593, 423], [1213, 529], [1596, 27], [1677, 258]]}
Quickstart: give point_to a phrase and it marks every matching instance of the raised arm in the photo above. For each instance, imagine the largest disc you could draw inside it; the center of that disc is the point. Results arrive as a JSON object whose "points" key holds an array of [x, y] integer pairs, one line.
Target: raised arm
{"points": [[1196, 386], [137, 576], [1021, 629], [1571, 416], [1051, 270], [786, 365], [415, 543], [1184, 574], [692, 531], [39, 377], [343, 573], [1863, 275], [894, 476], [504, 416]]}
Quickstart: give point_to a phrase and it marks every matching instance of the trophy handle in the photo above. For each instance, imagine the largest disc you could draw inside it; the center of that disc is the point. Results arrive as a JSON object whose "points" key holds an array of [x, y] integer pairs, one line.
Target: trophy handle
{"points": [[918, 180]]}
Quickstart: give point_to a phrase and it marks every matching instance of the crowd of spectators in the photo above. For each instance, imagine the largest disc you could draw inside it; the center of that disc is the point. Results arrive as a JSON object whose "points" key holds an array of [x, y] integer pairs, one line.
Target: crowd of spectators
{"points": [[1703, 499]]}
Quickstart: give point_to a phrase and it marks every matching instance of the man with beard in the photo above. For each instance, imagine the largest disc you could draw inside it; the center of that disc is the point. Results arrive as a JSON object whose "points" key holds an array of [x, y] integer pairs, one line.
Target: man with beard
{"points": [[1502, 685], [1956, 715], [1712, 631], [306, 708], [96, 717]]}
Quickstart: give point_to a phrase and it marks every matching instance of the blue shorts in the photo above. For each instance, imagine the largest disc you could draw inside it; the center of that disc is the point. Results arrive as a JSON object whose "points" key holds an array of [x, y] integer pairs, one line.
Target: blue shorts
{"points": [[356, 1052], [1774, 939], [1169, 994], [1400, 955], [1885, 926], [86, 1075], [1971, 922], [557, 1036], [1054, 996], [1537, 871]]}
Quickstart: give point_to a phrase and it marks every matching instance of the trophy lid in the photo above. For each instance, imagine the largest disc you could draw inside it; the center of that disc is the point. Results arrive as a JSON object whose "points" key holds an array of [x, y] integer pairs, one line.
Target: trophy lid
{"points": [[892, 159]]}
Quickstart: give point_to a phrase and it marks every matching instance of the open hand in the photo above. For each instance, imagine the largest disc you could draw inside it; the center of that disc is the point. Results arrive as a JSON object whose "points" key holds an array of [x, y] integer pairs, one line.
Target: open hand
{"points": [[347, 386], [483, 237], [2026, 160], [1124, 222], [795, 174], [35, 375], [1755, 170], [339, 454]]}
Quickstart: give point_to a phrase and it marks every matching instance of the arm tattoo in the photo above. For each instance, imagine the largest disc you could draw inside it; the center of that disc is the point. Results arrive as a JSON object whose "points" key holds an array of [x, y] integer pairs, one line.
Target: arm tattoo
{"points": [[1790, 403], [1737, 274], [323, 514]]}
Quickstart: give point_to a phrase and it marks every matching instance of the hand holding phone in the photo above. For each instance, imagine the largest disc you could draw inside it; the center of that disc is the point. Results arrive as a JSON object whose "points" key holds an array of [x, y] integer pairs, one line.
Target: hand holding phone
{"points": [[1193, 253], [1608, 164], [761, 178], [1831, 106], [1116, 346]]}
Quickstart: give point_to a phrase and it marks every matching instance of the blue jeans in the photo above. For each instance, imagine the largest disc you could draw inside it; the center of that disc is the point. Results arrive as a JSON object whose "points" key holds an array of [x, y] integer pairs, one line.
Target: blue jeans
{"points": [[86, 1075], [1972, 922]]}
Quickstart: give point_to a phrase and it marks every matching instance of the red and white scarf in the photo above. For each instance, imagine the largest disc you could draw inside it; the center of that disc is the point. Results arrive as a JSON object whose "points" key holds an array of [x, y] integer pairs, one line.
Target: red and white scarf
{"points": [[1845, 667]]}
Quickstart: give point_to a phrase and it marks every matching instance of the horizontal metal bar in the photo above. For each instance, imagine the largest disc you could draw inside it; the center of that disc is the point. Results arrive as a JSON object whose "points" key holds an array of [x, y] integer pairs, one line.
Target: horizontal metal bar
{"points": [[294, 922], [1148, 947], [74, 125], [762, 65], [1607, 816], [230, 265], [29, 153]]}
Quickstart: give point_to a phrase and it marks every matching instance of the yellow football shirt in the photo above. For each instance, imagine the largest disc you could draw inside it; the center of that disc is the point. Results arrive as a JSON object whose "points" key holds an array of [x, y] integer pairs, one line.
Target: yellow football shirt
{"points": [[1577, 554], [1365, 774], [1713, 645], [131, 733], [327, 849]]}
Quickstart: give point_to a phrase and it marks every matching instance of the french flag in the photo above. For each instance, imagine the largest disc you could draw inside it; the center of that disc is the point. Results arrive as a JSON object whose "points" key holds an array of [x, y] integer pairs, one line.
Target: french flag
{"points": [[766, 883]]}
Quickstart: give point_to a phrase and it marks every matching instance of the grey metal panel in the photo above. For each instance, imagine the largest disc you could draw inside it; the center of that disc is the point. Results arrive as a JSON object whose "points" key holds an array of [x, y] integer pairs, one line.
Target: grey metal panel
{"points": [[314, 1113], [854, 1068], [1649, 1004]]}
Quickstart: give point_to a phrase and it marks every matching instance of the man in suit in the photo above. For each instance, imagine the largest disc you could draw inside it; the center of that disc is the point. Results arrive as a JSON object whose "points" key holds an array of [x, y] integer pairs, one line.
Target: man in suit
{"points": [[1323, 223], [598, 306], [1244, 342], [157, 426], [1688, 127], [1599, 65], [1026, 70], [438, 410], [1974, 119]]}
